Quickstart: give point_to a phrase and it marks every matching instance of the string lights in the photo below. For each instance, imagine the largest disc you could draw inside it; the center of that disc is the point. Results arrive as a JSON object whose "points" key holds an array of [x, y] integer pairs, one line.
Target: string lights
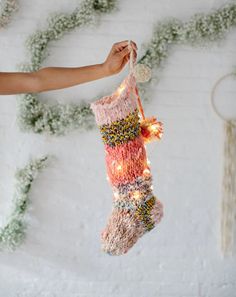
{"points": [[146, 172], [120, 89], [119, 167], [136, 195]]}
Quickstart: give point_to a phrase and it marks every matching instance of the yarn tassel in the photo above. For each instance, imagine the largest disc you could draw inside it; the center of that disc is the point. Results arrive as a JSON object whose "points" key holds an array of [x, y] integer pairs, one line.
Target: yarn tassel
{"points": [[151, 129]]}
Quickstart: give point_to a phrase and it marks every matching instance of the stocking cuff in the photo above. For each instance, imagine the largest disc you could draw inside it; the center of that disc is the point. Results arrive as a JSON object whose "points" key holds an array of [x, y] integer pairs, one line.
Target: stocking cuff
{"points": [[117, 106]]}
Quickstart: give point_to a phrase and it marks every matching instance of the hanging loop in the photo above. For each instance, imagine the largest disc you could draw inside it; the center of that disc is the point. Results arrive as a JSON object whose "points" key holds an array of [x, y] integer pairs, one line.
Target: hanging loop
{"points": [[232, 122], [131, 71], [132, 58]]}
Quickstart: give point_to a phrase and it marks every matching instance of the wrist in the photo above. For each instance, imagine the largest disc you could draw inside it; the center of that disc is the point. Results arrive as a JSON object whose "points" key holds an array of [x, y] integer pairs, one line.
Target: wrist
{"points": [[105, 69]]}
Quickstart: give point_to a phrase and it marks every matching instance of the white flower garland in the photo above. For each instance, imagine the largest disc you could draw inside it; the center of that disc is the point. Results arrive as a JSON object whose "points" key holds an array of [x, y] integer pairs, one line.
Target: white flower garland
{"points": [[13, 233], [201, 30], [7, 8], [57, 119]]}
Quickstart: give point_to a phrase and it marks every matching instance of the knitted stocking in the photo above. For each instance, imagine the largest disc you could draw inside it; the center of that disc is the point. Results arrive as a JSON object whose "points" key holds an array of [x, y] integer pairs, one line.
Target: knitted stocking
{"points": [[135, 209]]}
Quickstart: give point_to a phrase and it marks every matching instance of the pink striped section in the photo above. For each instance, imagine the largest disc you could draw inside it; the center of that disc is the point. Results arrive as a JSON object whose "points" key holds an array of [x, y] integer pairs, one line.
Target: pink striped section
{"points": [[126, 162]]}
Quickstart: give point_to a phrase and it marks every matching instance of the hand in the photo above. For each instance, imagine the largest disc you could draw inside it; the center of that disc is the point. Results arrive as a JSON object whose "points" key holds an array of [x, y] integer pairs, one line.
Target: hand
{"points": [[118, 57]]}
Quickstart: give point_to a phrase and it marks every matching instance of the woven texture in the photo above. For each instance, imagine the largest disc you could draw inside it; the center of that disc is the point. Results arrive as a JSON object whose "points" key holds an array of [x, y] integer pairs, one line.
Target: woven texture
{"points": [[135, 208]]}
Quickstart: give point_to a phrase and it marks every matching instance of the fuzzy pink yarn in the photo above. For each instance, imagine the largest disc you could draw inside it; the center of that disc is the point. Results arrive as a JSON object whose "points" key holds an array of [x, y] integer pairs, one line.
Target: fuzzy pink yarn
{"points": [[117, 106], [135, 209], [121, 233], [131, 156]]}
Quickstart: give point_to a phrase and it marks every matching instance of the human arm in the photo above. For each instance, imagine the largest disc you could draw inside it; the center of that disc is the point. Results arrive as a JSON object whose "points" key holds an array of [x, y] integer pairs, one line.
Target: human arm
{"points": [[52, 78]]}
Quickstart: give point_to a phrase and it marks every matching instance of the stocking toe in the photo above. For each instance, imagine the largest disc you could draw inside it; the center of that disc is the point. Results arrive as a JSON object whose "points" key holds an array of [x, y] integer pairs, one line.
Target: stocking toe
{"points": [[121, 233]]}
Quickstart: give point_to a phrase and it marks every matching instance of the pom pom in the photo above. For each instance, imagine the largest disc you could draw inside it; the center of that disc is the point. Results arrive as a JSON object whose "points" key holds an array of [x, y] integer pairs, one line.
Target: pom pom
{"points": [[151, 129], [142, 73]]}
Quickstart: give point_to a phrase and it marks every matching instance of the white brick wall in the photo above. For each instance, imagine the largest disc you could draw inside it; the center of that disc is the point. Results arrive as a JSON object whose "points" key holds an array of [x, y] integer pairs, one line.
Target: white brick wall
{"points": [[71, 199]]}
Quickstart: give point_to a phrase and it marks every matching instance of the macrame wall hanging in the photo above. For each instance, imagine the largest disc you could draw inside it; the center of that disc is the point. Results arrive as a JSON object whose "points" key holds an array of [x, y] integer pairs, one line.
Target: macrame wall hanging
{"points": [[228, 204], [125, 130]]}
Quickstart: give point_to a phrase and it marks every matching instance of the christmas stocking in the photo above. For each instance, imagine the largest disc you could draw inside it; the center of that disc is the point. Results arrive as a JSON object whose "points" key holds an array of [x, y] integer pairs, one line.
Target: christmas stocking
{"points": [[135, 208]]}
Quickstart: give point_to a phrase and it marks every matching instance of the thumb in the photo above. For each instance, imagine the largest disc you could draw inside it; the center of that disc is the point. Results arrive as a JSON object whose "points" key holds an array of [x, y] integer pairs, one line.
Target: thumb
{"points": [[125, 61]]}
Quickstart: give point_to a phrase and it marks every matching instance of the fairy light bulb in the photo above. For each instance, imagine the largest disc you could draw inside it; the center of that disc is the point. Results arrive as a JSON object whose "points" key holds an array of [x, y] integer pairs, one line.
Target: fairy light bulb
{"points": [[146, 171], [151, 187], [116, 195], [119, 167], [148, 162], [136, 194], [154, 127], [107, 178], [121, 89]]}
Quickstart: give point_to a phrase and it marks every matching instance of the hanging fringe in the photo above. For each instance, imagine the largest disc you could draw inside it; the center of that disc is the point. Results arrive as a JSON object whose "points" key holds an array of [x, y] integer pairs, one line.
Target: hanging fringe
{"points": [[228, 212]]}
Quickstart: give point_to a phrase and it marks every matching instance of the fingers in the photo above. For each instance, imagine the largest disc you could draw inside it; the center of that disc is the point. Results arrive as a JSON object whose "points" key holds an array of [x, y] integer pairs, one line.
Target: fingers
{"points": [[134, 45], [125, 61], [125, 53], [119, 46]]}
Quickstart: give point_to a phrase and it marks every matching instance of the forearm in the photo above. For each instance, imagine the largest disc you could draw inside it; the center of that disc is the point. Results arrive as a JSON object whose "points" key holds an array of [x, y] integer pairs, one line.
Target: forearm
{"points": [[52, 78], [49, 78]]}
